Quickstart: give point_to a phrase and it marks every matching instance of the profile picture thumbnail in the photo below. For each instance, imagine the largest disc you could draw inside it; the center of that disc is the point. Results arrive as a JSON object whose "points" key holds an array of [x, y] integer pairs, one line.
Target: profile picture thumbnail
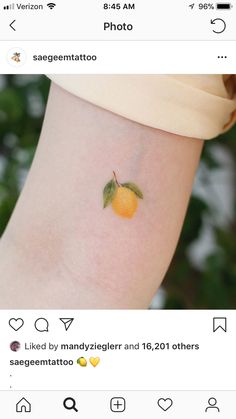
{"points": [[15, 346]]}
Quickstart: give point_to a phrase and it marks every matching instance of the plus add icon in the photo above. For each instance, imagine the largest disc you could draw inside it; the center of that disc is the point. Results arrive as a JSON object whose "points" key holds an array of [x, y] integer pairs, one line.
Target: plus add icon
{"points": [[118, 404]]}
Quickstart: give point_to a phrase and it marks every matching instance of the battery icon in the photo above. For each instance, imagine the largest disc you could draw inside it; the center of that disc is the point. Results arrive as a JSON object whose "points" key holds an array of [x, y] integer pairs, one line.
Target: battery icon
{"points": [[223, 6]]}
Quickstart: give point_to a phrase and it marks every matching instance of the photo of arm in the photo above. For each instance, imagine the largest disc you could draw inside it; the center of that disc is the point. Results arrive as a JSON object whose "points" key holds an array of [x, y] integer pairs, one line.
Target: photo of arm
{"points": [[101, 211]]}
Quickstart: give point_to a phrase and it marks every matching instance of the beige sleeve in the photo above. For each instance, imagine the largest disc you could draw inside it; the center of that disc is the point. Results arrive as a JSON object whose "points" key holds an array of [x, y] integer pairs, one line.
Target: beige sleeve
{"points": [[199, 106]]}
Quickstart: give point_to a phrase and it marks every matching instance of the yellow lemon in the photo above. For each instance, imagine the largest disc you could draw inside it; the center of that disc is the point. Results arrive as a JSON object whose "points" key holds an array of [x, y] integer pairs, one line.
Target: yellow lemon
{"points": [[125, 202], [82, 362]]}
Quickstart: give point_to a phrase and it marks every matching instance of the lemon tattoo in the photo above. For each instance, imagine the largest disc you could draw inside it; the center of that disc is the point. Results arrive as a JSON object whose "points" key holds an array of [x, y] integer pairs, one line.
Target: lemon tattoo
{"points": [[123, 197]]}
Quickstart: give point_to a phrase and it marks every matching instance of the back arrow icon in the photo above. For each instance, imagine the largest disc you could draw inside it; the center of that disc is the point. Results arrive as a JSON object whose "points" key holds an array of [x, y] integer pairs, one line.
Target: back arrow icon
{"points": [[213, 21], [11, 25]]}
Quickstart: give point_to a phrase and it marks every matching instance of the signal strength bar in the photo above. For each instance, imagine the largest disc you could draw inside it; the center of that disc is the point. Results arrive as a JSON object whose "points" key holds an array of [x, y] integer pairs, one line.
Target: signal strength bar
{"points": [[9, 7]]}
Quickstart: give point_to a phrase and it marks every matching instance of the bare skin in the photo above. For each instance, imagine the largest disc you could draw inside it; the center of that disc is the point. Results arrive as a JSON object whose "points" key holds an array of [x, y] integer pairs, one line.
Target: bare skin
{"points": [[61, 249]]}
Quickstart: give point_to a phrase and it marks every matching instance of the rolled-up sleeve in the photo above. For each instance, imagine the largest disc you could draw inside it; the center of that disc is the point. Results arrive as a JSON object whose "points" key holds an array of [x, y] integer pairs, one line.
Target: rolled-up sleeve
{"points": [[199, 106]]}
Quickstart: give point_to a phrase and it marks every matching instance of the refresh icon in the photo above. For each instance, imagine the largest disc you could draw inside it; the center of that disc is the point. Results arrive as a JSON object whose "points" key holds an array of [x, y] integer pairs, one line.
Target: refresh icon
{"points": [[221, 25]]}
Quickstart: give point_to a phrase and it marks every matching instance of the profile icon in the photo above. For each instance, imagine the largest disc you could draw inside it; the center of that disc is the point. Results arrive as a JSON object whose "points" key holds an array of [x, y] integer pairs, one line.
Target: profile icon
{"points": [[15, 346], [16, 57], [212, 402]]}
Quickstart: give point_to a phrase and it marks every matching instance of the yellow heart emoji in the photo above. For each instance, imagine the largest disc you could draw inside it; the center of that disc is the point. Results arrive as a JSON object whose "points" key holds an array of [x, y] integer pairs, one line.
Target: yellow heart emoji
{"points": [[94, 361]]}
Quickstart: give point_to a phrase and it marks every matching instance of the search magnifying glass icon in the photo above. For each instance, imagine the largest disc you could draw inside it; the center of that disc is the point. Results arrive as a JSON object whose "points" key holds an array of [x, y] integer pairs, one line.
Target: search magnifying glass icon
{"points": [[70, 404]]}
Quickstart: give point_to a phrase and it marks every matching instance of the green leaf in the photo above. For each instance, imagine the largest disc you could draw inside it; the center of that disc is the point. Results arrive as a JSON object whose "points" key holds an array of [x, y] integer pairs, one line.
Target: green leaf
{"points": [[109, 192], [133, 188]]}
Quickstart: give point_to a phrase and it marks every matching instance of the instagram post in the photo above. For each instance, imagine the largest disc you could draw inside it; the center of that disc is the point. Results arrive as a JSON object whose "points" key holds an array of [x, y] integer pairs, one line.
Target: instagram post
{"points": [[117, 191], [117, 209], [117, 250]]}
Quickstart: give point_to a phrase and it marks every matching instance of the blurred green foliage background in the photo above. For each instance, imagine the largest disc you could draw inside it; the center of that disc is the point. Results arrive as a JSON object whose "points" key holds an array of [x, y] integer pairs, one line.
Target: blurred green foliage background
{"points": [[210, 283]]}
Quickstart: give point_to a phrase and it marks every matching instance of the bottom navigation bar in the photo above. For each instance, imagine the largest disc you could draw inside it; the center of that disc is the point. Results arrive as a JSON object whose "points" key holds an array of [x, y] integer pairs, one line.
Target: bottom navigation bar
{"points": [[130, 404]]}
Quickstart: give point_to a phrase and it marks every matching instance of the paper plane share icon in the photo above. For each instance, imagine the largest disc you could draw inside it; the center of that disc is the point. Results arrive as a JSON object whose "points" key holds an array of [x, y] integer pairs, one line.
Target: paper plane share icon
{"points": [[67, 322]]}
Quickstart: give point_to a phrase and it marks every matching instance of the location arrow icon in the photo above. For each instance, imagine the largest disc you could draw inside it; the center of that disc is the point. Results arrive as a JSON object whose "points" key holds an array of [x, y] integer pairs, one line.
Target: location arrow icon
{"points": [[67, 322]]}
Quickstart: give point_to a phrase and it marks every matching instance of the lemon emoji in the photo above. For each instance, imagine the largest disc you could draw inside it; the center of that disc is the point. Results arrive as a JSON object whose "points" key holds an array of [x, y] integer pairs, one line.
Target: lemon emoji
{"points": [[82, 362], [122, 197]]}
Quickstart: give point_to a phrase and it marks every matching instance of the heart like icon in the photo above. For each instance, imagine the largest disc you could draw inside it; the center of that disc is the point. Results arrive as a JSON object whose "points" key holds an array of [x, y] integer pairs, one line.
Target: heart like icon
{"points": [[16, 324], [165, 404], [94, 361]]}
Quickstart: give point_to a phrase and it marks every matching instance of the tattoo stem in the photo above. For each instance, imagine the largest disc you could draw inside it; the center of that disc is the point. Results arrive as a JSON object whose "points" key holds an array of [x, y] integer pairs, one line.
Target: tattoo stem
{"points": [[118, 184]]}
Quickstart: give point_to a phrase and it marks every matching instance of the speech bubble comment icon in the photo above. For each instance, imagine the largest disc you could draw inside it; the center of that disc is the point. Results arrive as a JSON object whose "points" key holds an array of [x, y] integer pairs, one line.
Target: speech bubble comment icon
{"points": [[41, 325]]}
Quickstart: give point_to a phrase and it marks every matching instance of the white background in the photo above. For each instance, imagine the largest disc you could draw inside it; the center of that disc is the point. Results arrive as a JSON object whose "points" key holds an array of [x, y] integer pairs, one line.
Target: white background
{"points": [[190, 378], [124, 57], [168, 37], [84, 20], [210, 368]]}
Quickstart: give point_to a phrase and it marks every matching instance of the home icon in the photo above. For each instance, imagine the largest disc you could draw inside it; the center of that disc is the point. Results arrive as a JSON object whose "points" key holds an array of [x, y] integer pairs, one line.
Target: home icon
{"points": [[23, 406]]}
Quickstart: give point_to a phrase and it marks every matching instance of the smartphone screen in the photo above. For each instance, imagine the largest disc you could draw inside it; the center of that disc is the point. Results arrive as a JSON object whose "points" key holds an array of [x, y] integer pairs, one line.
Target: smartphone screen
{"points": [[117, 209]]}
